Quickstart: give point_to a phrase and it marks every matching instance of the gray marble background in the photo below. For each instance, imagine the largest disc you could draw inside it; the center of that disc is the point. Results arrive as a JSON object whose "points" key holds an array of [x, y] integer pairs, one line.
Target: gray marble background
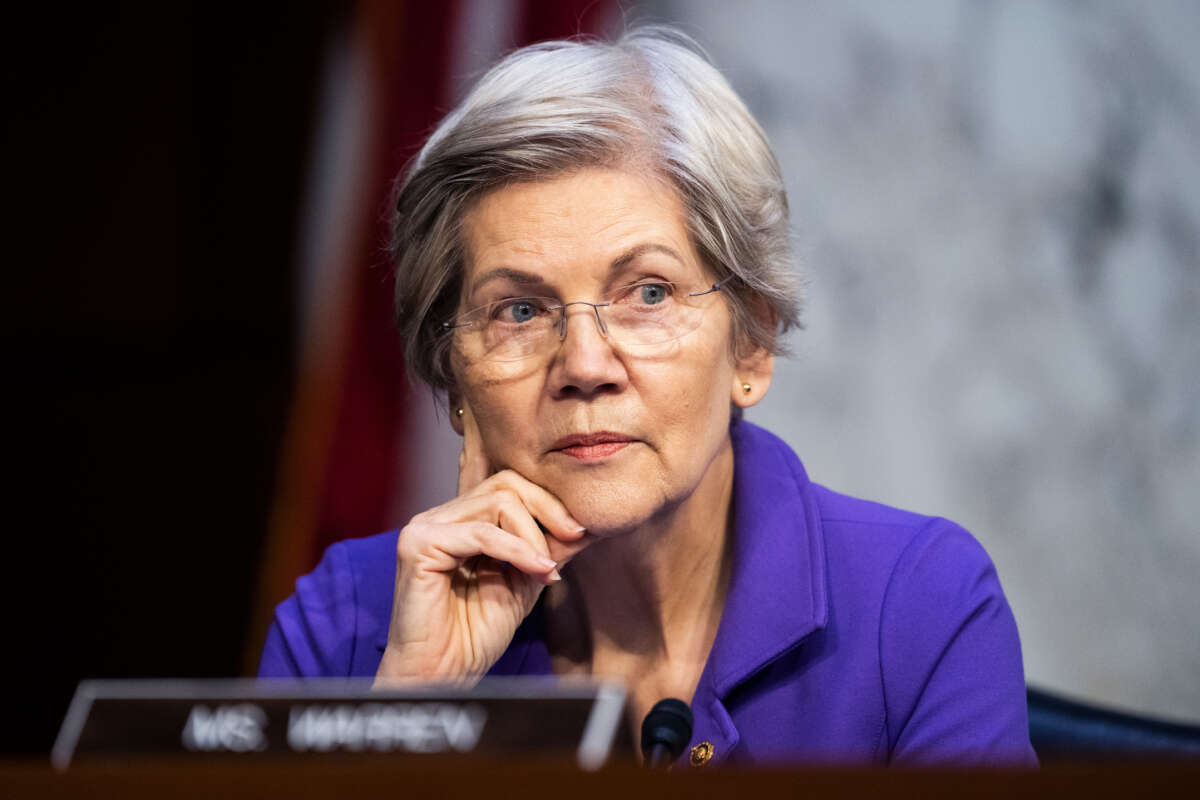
{"points": [[997, 206]]}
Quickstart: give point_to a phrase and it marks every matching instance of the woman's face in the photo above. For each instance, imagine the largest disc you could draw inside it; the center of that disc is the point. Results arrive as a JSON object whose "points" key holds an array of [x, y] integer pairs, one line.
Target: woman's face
{"points": [[578, 237]]}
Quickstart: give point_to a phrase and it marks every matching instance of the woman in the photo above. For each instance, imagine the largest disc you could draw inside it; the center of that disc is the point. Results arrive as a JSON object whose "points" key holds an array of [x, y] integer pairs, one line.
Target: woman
{"points": [[593, 265]]}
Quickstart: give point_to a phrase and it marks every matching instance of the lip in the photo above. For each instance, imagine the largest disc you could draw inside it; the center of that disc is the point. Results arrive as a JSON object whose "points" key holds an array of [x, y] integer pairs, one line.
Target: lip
{"points": [[592, 446]]}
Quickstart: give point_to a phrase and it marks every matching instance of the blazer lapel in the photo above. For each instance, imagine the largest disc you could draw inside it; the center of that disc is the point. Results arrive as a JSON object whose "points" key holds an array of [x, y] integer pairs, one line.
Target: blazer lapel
{"points": [[777, 589]]}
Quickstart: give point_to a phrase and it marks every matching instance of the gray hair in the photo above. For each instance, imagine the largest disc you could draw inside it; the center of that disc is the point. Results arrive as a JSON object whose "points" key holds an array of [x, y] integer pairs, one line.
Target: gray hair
{"points": [[651, 100]]}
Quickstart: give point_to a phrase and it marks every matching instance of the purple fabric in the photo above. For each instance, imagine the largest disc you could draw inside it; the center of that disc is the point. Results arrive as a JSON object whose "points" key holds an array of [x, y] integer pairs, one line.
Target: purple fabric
{"points": [[852, 633]]}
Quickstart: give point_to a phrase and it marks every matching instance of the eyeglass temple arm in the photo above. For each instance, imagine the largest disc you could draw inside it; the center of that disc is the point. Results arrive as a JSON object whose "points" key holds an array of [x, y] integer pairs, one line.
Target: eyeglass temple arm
{"points": [[716, 287]]}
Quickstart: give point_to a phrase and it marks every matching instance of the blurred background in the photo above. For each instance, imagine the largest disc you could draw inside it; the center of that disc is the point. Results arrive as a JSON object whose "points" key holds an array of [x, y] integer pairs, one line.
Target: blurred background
{"points": [[997, 210]]}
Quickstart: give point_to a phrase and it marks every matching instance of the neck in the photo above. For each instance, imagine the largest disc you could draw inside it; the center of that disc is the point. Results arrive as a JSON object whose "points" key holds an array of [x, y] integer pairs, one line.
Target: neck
{"points": [[652, 597]]}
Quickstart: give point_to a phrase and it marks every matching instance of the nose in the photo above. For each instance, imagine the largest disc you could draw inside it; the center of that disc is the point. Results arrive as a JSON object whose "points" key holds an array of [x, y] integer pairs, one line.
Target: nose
{"points": [[585, 364]]}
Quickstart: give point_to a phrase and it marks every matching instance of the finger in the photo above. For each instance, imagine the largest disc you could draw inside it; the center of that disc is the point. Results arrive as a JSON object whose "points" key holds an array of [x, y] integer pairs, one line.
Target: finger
{"points": [[504, 546], [515, 518], [512, 516], [504, 509], [547, 509], [473, 465], [563, 552], [500, 506], [453, 544]]}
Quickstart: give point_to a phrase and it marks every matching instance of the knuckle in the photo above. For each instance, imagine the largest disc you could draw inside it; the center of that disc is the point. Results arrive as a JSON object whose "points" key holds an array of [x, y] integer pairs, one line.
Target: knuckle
{"points": [[510, 502], [424, 518], [412, 538], [482, 531], [509, 479]]}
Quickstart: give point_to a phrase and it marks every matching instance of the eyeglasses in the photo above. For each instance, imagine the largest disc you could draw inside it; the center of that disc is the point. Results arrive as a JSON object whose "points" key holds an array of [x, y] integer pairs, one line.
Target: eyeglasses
{"points": [[640, 318]]}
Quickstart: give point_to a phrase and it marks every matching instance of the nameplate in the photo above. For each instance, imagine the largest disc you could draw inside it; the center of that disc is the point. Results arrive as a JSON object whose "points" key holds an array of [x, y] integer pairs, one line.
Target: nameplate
{"points": [[530, 718]]}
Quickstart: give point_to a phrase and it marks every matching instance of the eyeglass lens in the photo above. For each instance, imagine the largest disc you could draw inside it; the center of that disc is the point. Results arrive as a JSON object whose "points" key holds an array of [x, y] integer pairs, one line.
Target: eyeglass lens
{"points": [[638, 317]]}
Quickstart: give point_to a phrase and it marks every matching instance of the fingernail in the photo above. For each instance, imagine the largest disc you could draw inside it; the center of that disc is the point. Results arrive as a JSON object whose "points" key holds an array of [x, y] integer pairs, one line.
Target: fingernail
{"points": [[547, 563], [554, 576]]}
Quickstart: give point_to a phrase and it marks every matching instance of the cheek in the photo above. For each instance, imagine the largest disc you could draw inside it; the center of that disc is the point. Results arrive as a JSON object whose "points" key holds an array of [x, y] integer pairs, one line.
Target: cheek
{"points": [[689, 400], [503, 414]]}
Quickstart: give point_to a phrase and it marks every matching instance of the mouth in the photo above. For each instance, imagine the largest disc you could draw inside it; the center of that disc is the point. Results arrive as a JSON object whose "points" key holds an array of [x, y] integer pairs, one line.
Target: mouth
{"points": [[592, 446]]}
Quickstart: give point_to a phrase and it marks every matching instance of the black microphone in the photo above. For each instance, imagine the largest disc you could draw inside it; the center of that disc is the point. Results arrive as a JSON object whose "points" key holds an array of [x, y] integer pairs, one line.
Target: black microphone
{"points": [[666, 730]]}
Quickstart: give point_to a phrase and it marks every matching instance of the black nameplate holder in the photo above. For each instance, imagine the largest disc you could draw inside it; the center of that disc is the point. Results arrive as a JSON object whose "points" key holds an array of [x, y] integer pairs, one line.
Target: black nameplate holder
{"points": [[499, 718]]}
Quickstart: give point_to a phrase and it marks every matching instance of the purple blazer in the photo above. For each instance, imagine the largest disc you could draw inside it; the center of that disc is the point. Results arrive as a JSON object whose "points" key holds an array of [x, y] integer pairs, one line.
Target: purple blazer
{"points": [[852, 632]]}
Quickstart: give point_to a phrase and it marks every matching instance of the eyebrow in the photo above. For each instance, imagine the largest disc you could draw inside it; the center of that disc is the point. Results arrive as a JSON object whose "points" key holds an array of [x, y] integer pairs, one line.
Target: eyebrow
{"points": [[634, 253], [523, 278], [508, 273]]}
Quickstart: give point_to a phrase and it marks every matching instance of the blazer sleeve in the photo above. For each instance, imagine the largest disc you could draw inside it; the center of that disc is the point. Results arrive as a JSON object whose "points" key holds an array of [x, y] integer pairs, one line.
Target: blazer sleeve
{"points": [[954, 685], [314, 632]]}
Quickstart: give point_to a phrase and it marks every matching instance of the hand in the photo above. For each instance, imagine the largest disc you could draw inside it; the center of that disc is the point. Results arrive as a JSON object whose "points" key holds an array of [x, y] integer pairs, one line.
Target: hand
{"points": [[469, 571]]}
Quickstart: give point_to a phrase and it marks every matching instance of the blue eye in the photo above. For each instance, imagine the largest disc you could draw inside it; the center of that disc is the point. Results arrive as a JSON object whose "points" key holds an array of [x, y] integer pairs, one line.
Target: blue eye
{"points": [[652, 293], [520, 311]]}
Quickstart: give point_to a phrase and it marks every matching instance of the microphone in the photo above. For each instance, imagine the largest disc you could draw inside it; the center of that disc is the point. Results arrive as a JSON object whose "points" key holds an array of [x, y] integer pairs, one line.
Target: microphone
{"points": [[666, 730]]}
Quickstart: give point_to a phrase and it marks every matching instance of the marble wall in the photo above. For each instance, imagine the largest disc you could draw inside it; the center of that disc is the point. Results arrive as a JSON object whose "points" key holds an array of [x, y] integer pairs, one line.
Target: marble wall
{"points": [[997, 206]]}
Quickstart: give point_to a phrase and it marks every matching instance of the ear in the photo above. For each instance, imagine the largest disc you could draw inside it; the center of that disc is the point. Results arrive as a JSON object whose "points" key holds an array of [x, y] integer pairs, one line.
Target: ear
{"points": [[752, 377]]}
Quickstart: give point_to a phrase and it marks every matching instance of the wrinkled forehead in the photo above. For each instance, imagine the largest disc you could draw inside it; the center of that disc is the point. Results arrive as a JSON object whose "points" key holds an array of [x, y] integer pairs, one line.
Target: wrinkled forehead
{"points": [[580, 231]]}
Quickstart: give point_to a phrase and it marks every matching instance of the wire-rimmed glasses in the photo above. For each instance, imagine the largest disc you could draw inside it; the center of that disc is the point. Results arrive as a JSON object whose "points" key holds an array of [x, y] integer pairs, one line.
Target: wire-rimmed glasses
{"points": [[639, 317]]}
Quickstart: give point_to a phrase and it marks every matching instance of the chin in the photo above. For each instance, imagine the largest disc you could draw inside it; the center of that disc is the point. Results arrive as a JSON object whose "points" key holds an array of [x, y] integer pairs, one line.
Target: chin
{"points": [[608, 508]]}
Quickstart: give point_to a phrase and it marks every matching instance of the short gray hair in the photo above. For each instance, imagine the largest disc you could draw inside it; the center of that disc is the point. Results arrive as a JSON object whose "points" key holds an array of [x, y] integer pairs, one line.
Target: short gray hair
{"points": [[651, 99]]}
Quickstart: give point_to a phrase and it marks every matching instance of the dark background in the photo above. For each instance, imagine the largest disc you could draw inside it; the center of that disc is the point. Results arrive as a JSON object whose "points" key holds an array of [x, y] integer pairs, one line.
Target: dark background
{"points": [[155, 158]]}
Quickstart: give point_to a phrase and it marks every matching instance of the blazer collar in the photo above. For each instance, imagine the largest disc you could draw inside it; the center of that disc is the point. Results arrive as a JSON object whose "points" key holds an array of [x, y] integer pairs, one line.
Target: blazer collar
{"points": [[777, 589]]}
